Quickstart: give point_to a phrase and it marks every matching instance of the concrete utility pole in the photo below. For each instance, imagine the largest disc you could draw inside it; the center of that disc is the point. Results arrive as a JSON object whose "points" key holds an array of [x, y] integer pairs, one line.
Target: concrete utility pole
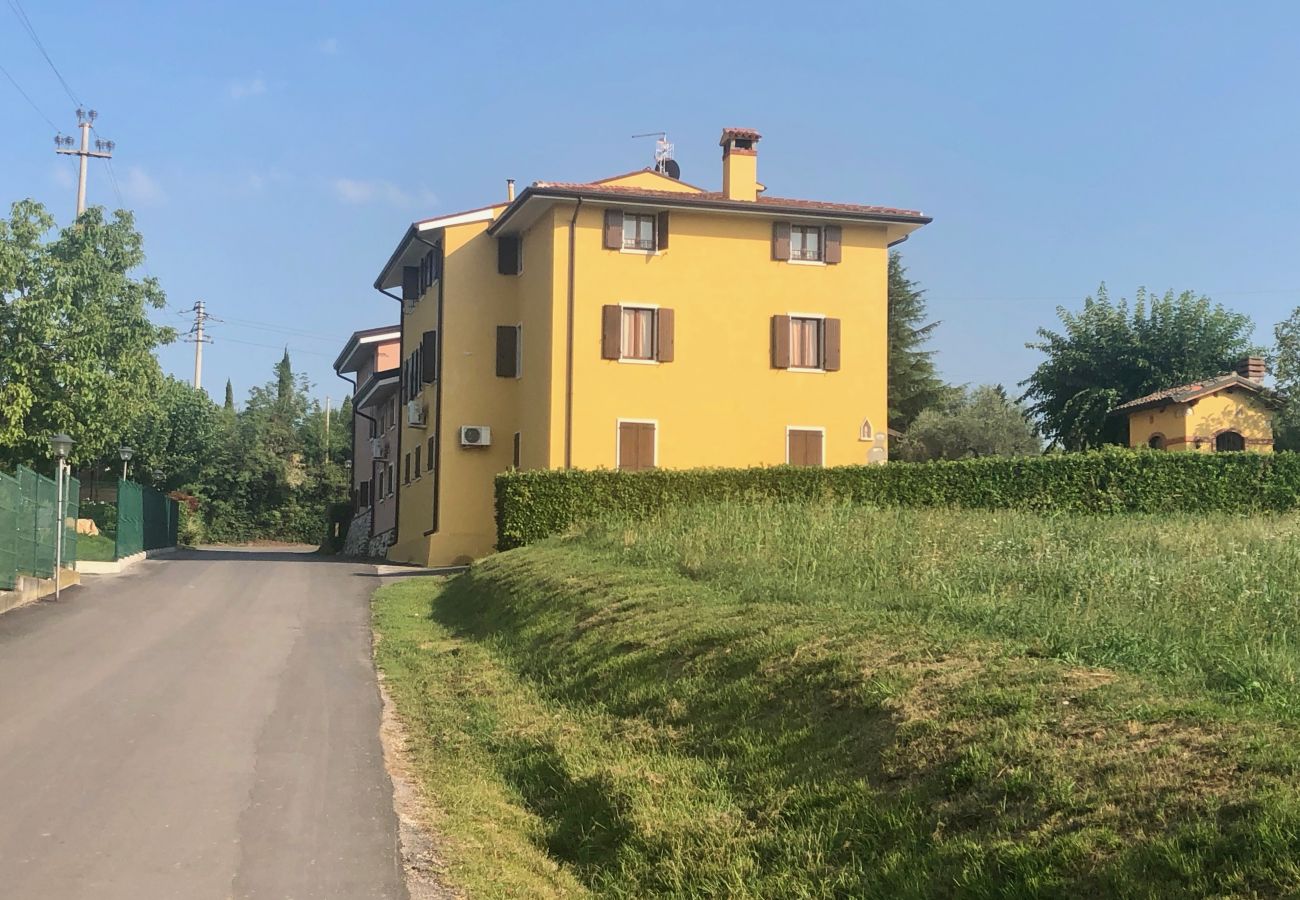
{"points": [[103, 150], [198, 339]]}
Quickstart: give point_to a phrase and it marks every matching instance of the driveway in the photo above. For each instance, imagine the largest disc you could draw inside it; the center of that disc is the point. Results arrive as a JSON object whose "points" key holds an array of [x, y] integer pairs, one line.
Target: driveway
{"points": [[204, 726]]}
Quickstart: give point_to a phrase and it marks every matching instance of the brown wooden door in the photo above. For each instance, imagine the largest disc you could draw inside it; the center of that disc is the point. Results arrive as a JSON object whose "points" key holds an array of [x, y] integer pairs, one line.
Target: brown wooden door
{"points": [[636, 446], [804, 447]]}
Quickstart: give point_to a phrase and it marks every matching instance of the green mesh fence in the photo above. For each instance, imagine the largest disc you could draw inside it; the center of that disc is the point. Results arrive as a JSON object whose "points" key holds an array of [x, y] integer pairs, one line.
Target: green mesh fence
{"points": [[9, 500], [130, 519], [29, 526], [146, 519]]}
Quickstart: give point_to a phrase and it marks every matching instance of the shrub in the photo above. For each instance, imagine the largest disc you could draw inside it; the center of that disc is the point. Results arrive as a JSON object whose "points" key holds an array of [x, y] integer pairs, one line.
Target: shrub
{"points": [[535, 504]]}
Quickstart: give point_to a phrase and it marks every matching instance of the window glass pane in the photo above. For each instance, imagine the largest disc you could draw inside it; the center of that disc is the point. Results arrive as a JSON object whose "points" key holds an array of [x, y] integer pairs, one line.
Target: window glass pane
{"points": [[638, 333], [629, 229], [805, 343], [812, 243]]}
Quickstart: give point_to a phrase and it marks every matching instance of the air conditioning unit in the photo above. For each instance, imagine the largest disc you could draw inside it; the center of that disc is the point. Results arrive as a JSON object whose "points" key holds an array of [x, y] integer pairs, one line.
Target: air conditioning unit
{"points": [[378, 448], [475, 436], [415, 413]]}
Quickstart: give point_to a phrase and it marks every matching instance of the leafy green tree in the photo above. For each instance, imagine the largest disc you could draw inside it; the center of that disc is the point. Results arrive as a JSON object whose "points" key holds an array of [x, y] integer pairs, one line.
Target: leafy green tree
{"points": [[979, 422], [176, 436], [1109, 353], [229, 405], [78, 345], [913, 382], [1285, 364]]}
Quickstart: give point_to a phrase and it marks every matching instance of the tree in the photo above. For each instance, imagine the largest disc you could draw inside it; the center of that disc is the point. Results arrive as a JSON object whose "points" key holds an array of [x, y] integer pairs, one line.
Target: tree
{"points": [[1110, 353], [229, 405], [76, 337], [176, 436], [980, 422], [913, 382], [1285, 360]]}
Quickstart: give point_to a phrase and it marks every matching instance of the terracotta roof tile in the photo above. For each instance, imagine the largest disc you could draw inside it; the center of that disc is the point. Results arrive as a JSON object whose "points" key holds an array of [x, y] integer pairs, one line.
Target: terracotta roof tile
{"points": [[744, 134], [1184, 392]]}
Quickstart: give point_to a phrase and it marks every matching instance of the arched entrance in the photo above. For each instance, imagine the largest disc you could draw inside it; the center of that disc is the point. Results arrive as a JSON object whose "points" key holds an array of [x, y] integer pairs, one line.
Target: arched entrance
{"points": [[1156, 442], [1229, 442]]}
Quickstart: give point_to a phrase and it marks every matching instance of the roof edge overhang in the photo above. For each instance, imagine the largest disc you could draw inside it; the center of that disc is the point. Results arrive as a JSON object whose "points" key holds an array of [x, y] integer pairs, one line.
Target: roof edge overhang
{"points": [[661, 202], [379, 386], [346, 361], [417, 233]]}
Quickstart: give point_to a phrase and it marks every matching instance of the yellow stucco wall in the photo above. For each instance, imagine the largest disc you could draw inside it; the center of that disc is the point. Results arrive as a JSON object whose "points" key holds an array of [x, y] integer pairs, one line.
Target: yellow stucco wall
{"points": [[719, 403], [1185, 425]]}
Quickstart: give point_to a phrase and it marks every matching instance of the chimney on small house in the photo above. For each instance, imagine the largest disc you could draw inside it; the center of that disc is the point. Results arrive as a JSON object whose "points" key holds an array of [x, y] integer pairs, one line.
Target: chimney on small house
{"points": [[1252, 367], [740, 163], [510, 190]]}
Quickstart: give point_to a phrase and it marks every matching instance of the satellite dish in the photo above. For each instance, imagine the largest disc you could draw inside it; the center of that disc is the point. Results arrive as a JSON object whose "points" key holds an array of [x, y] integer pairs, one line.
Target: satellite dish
{"points": [[672, 170]]}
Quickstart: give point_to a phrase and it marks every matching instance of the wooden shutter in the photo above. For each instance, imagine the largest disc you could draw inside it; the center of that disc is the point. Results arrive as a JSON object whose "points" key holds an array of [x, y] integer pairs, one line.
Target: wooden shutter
{"points": [[507, 351], [429, 357], [611, 332], [613, 229], [508, 255], [780, 342], [781, 240], [831, 350], [661, 232], [636, 446], [834, 238], [665, 323], [804, 447], [410, 283]]}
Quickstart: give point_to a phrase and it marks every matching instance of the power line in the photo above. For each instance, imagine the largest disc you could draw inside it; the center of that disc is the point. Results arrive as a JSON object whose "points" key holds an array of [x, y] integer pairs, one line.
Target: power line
{"points": [[277, 347], [17, 7], [40, 112]]}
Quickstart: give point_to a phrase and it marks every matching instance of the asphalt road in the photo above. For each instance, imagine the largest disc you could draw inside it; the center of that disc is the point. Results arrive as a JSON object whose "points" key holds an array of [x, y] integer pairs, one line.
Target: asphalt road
{"points": [[204, 726]]}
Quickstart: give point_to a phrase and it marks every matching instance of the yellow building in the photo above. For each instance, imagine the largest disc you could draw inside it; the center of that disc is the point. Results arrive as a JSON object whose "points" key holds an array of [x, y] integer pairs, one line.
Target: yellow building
{"points": [[633, 322], [1231, 412]]}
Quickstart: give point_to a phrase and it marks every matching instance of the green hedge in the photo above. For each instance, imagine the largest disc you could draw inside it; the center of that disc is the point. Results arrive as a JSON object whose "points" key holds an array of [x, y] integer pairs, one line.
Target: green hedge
{"points": [[533, 505]]}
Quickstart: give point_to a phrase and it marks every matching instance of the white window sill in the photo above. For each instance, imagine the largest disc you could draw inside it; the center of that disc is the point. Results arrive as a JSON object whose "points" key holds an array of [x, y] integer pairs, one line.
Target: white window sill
{"points": [[806, 262], [801, 369], [639, 362], [635, 252]]}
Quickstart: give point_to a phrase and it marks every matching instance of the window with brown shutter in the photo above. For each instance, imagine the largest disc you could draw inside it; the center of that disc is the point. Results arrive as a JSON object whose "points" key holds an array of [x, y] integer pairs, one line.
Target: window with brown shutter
{"points": [[508, 351], [665, 337], [831, 345], [834, 242], [611, 331], [804, 446], [613, 229], [510, 255], [636, 446], [661, 232], [429, 357], [638, 232], [418, 448], [805, 342], [410, 283], [515, 456], [780, 342], [781, 240], [407, 478]]}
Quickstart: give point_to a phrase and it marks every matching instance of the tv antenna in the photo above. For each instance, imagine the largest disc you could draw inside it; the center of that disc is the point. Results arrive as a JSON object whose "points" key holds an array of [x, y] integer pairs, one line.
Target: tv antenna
{"points": [[664, 162]]}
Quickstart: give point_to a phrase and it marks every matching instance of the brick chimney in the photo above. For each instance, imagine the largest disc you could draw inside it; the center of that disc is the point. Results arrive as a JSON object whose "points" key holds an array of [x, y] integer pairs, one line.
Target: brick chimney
{"points": [[740, 163], [1252, 367]]}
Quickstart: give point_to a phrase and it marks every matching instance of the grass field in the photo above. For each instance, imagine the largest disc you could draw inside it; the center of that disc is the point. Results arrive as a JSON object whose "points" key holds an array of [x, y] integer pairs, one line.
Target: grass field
{"points": [[99, 547], [822, 701]]}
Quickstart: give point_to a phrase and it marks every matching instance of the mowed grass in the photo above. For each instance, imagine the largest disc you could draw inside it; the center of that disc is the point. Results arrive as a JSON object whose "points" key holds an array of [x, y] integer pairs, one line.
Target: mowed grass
{"points": [[97, 547], [827, 701]]}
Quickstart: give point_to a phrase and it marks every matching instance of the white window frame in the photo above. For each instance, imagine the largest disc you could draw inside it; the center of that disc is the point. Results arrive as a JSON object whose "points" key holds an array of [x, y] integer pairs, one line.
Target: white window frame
{"points": [[790, 428], [618, 439], [654, 232], [519, 350], [631, 360], [821, 342], [820, 259]]}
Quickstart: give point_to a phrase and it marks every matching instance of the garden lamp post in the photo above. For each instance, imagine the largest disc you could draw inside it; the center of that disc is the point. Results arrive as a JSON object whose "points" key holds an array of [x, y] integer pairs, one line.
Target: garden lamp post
{"points": [[126, 453], [60, 446]]}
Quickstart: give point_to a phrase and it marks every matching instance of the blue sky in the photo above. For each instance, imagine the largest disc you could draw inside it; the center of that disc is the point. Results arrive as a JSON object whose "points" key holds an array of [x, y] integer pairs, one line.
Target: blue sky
{"points": [[274, 153]]}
